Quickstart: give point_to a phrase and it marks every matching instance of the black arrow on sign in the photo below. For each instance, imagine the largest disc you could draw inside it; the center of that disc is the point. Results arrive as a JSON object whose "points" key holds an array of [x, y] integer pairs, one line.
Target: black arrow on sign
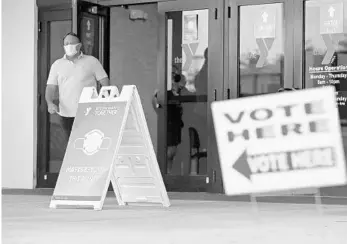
{"points": [[241, 165]]}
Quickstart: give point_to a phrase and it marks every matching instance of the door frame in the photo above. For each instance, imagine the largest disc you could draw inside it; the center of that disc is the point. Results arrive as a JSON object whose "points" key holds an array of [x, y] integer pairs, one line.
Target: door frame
{"points": [[299, 39], [212, 181], [234, 42], [45, 15]]}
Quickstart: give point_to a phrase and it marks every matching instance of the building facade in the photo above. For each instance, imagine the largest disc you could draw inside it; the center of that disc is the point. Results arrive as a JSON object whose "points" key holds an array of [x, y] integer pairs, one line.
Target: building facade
{"points": [[213, 49]]}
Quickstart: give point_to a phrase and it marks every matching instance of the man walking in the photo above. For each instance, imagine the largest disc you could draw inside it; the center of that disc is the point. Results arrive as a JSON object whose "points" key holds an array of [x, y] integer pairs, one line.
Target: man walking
{"points": [[69, 75]]}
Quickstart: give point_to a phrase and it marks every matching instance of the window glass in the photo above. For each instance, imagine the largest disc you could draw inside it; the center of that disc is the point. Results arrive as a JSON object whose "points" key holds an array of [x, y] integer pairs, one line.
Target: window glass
{"points": [[325, 60], [261, 50]]}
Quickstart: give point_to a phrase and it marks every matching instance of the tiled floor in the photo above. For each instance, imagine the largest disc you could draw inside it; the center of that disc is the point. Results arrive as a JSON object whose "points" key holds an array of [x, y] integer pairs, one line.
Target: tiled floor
{"points": [[27, 219]]}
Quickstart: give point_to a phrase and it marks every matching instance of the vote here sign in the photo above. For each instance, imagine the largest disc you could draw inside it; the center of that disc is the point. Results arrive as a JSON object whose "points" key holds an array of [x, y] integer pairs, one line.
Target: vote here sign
{"points": [[280, 141]]}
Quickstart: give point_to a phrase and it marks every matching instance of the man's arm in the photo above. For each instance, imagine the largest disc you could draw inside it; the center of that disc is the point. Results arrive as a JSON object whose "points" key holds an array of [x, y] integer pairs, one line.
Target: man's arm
{"points": [[105, 81], [50, 93], [51, 89], [100, 74]]}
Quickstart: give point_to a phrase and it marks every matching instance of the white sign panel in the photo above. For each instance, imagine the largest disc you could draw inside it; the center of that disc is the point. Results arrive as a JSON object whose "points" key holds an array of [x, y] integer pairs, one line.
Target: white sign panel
{"points": [[280, 141]]}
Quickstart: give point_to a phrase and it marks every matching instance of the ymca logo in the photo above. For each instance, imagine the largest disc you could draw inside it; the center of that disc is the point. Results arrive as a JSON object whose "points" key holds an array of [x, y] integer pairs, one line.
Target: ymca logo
{"points": [[190, 51], [87, 111]]}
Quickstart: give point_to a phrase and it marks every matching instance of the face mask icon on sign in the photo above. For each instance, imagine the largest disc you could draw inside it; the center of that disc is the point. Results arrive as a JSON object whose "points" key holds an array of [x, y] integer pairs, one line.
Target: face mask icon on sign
{"points": [[93, 142]]}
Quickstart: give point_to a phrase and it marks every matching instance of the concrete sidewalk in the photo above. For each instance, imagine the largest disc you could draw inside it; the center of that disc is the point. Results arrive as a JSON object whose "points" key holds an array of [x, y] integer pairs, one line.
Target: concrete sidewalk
{"points": [[28, 220]]}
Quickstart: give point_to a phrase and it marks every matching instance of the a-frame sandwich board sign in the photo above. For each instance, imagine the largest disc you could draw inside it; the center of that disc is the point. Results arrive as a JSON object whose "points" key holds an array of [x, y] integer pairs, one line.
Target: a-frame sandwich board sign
{"points": [[109, 142], [136, 172]]}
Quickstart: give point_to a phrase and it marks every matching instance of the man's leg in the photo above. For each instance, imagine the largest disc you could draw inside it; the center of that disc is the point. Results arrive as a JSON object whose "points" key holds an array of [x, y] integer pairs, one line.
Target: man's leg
{"points": [[171, 153], [67, 123]]}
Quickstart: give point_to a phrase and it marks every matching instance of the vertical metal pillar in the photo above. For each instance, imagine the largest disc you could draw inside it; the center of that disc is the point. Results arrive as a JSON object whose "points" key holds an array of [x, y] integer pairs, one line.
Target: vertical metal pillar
{"points": [[74, 16]]}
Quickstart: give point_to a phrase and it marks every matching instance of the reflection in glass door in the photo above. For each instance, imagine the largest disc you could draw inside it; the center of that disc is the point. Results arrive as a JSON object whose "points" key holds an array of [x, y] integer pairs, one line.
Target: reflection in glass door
{"points": [[261, 52], [260, 39], [321, 56], [192, 48], [325, 59], [187, 75]]}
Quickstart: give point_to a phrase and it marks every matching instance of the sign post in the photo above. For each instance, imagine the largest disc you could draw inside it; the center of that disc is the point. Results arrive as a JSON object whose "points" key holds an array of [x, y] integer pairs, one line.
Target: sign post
{"points": [[109, 142], [280, 142]]}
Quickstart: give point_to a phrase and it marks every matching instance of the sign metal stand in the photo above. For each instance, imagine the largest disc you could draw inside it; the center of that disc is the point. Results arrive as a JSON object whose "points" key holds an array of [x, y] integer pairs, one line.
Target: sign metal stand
{"points": [[318, 201]]}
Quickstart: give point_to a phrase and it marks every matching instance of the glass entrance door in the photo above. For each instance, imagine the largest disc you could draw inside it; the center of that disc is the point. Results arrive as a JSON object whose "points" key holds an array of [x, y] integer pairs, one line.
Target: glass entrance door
{"points": [[321, 56], [324, 57], [260, 46], [194, 56], [93, 28], [54, 25]]}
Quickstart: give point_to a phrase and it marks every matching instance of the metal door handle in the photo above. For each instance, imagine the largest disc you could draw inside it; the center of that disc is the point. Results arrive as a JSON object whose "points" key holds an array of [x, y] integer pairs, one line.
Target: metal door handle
{"points": [[39, 99], [215, 94]]}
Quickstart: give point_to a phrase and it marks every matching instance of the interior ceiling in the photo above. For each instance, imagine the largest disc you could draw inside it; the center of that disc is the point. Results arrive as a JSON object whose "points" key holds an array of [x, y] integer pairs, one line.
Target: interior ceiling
{"points": [[121, 2], [47, 3]]}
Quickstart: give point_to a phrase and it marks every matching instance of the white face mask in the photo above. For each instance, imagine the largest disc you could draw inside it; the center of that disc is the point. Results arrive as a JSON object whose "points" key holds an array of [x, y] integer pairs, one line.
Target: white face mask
{"points": [[71, 50]]}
